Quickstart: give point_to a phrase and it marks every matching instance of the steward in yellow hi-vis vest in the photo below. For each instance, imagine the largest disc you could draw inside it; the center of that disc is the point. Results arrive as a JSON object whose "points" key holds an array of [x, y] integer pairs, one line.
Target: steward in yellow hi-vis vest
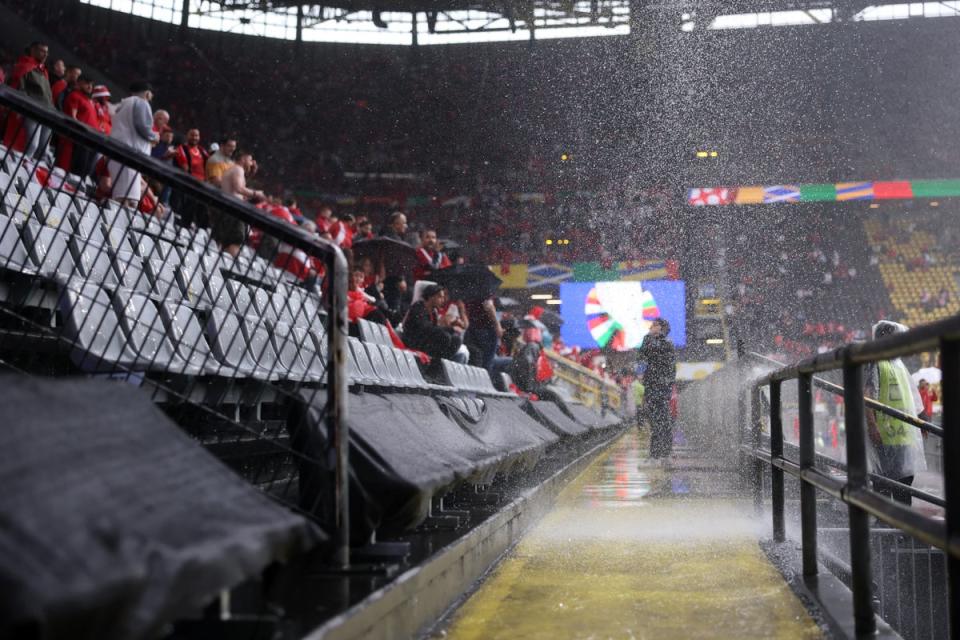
{"points": [[896, 446]]}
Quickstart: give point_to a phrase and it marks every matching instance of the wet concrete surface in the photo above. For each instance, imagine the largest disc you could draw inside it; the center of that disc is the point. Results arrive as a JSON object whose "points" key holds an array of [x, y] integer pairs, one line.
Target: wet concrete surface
{"points": [[634, 550]]}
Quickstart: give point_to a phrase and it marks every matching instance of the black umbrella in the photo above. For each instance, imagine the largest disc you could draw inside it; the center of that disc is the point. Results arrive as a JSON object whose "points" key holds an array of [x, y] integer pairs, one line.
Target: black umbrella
{"points": [[468, 281], [397, 258], [552, 319]]}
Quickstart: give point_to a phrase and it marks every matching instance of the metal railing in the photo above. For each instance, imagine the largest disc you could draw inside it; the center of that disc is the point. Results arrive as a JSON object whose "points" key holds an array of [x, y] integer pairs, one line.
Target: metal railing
{"points": [[855, 490], [98, 282]]}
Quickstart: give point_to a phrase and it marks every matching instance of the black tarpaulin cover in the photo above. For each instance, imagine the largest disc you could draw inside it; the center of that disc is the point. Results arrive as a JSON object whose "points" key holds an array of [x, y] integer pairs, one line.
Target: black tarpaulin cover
{"points": [[403, 450], [507, 416], [581, 413], [508, 444], [553, 417], [114, 522]]}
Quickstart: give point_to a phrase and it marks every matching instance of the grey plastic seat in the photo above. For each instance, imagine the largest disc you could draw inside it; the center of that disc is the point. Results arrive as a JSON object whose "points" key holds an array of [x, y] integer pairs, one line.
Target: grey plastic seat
{"points": [[187, 337], [92, 325], [192, 283], [146, 246], [260, 346], [115, 218], [165, 279], [88, 231], [294, 354], [229, 344], [49, 251], [365, 373], [402, 376], [116, 238], [386, 376], [32, 191], [242, 299], [129, 269], [14, 203], [213, 287], [150, 224], [311, 351], [263, 305], [61, 200], [13, 253], [367, 332], [146, 335], [94, 262]]}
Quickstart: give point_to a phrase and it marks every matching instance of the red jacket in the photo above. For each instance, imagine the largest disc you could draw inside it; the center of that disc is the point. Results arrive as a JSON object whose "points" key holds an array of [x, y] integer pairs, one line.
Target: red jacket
{"points": [[430, 261], [79, 106]]}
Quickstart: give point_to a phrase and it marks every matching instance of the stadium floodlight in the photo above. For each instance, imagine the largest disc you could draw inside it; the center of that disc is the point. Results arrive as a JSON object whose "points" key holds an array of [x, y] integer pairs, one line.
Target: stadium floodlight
{"points": [[714, 341], [554, 301], [542, 296]]}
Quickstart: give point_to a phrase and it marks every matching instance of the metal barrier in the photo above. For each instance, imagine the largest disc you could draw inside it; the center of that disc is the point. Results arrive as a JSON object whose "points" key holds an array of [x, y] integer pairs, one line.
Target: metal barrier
{"points": [[583, 384], [855, 491], [108, 268]]}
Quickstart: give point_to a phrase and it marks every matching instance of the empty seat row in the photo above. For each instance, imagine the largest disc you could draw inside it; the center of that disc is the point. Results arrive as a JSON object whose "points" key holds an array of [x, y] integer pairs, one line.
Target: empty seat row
{"points": [[374, 333], [469, 378], [128, 331], [378, 365]]}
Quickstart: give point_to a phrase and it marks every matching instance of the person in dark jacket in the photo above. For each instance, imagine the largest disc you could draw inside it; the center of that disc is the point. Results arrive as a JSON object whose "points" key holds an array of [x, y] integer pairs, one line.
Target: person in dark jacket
{"points": [[661, 372], [421, 331], [31, 77]]}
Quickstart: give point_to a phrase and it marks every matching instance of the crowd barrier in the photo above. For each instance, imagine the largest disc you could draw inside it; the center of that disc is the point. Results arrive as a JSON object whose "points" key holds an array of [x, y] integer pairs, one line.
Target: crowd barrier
{"points": [[584, 385]]}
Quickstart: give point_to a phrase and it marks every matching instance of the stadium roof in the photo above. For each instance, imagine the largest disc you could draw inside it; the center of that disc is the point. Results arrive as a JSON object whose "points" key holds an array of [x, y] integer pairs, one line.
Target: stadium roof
{"points": [[426, 22]]}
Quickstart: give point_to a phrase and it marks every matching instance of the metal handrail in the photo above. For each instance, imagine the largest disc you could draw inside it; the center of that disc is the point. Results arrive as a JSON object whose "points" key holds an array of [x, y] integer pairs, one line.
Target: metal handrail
{"points": [[335, 261], [876, 405], [855, 491]]}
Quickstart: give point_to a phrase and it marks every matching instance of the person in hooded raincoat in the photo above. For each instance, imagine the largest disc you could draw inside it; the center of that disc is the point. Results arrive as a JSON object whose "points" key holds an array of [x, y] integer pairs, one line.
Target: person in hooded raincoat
{"points": [[896, 448]]}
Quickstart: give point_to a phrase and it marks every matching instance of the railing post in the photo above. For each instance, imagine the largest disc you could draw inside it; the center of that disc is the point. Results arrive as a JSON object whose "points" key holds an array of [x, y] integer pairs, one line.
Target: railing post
{"points": [[808, 493], [755, 435], [337, 428], [776, 474], [859, 519], [950, 366]]}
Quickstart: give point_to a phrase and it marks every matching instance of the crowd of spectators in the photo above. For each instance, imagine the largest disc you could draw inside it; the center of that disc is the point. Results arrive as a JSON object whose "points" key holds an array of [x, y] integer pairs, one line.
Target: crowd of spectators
{"points": [[433, 324], [804, 291]]}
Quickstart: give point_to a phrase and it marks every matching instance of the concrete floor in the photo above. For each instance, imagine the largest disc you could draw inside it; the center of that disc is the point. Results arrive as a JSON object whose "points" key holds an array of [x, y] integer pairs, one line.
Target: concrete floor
{"points": [[632, 551]]}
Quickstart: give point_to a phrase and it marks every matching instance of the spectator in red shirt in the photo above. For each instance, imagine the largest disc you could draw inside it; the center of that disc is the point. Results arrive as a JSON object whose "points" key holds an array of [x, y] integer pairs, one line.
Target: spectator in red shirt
{"points": [[191, 157], [101, 100], [62, 87], [324, 219], [78, 104], [342, 231], [429, 256], [928, 396], [57, 70]]}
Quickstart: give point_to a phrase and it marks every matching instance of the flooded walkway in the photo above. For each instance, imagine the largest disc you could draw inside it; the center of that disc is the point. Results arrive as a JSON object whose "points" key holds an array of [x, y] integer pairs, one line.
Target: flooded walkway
{"points": [[634, 552]]}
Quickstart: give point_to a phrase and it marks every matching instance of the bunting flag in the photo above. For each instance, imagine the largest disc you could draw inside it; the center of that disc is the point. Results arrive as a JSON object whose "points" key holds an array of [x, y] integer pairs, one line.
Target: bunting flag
{"points": [[818, 192], [521, 276], [749, 195], [642, 270], [892, 190], [711, 196], [854, 191], [541, 275], [781, 193], [513, 276], [839, 192]]}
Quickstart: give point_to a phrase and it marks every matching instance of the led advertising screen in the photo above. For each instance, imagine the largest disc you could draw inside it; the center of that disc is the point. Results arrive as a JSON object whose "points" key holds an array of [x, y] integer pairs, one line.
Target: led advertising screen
{"points": [[617, 315]]}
